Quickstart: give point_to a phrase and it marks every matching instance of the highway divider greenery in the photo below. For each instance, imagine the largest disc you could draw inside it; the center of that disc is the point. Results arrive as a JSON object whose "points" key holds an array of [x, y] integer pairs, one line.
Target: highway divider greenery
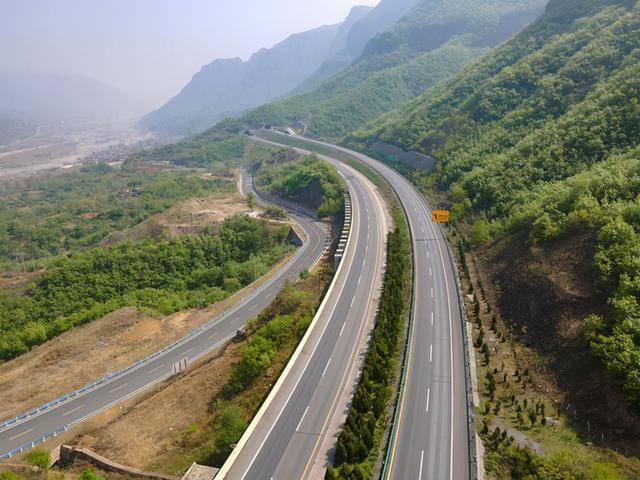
{"points": [[359, 442], [160, 275]]}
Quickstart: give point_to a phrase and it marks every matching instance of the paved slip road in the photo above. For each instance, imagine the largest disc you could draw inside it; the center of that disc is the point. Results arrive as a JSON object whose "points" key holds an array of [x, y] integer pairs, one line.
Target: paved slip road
{"points": [[431, 441], [217, 332], [290, 436]]}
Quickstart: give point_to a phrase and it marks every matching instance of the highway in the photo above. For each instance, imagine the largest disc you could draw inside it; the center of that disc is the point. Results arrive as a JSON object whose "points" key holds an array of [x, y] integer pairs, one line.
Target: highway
{"points": [[431, 439], [160, 367], [296, 427]]}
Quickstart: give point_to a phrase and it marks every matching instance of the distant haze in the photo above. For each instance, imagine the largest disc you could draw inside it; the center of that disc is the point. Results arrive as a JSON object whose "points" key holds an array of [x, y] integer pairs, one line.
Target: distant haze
{"points": [[148, 48]]}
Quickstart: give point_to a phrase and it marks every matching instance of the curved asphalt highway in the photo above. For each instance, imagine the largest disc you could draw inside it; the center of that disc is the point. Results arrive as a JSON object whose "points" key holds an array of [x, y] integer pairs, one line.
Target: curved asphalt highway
{"points": [[431, 440], [159, 368], [287, 438]]}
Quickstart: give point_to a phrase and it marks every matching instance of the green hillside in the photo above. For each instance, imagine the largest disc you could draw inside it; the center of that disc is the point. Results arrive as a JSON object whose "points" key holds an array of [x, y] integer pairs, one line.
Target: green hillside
{"points": [[541, 137], [432, 42]]}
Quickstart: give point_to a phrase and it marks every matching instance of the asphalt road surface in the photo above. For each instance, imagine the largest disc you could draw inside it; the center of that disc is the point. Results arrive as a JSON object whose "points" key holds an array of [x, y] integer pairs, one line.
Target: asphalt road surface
{"points": [[286, 441], [159, 368], [431, 440]]}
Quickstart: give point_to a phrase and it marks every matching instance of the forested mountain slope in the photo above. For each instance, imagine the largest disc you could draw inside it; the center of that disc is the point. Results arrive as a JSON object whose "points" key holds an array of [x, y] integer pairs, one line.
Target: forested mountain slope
{"points": [[433, 41], [229, 86], [383, 16], [540, 140]]}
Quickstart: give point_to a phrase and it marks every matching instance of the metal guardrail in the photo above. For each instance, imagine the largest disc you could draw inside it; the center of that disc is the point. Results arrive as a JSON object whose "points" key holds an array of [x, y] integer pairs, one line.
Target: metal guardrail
{"points": [[29, 445]]}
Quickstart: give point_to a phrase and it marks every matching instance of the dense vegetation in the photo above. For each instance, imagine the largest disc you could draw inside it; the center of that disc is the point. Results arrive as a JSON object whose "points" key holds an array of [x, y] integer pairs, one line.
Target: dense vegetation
{"points": [[308, 181], [507, 460], [209, 149], [48, 216], [163, 275], [427, 45], [357, 447], [541, 136]]}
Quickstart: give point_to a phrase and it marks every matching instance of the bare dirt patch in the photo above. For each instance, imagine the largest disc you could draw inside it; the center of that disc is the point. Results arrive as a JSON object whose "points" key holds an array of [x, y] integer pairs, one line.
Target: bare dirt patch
{"points": [[190, 216], [156, 424]]}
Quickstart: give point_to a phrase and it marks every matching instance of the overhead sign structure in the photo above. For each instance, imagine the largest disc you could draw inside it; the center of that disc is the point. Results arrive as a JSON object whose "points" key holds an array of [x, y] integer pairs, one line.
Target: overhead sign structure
{"points": [[441, 216]]}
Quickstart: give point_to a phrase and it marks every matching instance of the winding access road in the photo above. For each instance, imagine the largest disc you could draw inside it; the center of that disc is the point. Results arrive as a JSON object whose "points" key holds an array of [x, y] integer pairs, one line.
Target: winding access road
{"points": [[296, 427], [431, 434], [160, 367]]}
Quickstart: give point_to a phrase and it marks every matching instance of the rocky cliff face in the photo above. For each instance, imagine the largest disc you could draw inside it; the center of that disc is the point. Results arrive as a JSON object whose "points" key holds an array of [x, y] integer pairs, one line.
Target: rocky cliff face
{"points": [[229, 86]]}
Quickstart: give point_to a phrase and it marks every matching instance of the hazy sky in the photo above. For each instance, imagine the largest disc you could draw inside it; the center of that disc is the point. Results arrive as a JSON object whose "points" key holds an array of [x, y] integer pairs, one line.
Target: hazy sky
{"points": [[149, 48]]}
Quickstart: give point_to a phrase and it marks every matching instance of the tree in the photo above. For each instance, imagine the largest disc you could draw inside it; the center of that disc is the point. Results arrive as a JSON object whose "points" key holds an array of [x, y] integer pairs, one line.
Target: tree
{"points": [[89, 474], [250, 198], [532, 417], [480, 233], [491, 385], [232, 425], [40, 458]]}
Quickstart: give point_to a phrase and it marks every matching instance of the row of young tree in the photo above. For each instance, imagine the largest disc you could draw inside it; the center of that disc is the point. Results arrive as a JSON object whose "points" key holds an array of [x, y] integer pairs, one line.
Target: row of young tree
{"points": [[359, 440]]}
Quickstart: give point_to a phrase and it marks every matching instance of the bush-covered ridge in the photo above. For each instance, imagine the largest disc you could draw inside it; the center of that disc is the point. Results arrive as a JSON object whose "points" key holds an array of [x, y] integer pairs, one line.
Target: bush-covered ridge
{"points": [[542, 136], [308, 181], [427, 45], [163, 275]]}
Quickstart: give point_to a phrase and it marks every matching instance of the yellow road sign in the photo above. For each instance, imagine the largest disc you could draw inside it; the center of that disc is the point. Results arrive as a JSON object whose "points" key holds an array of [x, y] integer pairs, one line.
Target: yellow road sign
{"points": [[441, 216]]}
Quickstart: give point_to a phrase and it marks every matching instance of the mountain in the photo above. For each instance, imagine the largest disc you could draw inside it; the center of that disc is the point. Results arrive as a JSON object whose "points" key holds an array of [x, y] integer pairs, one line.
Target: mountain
{"points": [[538, 146], [433, 41], [383, 16], [60, 97], [230, 86]]}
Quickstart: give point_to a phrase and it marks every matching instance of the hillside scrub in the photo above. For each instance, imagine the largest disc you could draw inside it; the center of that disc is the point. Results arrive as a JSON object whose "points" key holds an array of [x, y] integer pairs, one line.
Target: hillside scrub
{"points": [[541, 138], [359, 441], [309, 181], [207, 149], [429, 44], [159, 275], [48, 216]]}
